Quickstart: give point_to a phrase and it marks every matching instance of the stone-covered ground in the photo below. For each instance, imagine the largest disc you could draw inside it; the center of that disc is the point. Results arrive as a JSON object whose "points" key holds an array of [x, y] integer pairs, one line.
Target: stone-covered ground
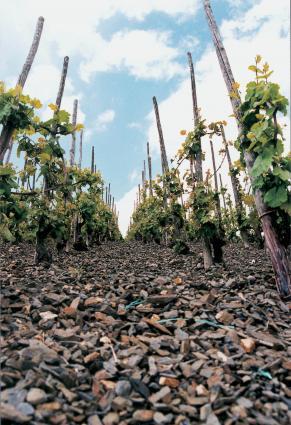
{"points": [[134, 334]]}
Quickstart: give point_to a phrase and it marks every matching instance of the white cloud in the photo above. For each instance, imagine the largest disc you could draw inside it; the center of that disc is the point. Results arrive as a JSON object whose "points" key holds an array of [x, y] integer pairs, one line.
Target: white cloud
{"points": [[143, 54], [79, 35], [104, 119]]}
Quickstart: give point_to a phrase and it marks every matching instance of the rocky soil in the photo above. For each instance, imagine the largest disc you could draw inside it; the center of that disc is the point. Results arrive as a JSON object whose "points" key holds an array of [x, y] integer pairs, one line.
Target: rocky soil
{"points": [[134, 334]]}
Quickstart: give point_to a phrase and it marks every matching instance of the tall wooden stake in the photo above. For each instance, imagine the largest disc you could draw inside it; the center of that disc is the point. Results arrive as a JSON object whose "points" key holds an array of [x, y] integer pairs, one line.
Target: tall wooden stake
{"points": [[7, 130], [222, 192], [165, 165], [207, 254], [150, 169], [198, 161], [277, 251], [215, 181], [62, 82], [73, 144], [92, 160], [81, 149]]}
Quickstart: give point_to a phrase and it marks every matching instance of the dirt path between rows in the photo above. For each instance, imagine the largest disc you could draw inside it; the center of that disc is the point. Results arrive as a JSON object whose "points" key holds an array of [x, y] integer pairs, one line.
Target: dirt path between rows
{"points": [[134, 334]]}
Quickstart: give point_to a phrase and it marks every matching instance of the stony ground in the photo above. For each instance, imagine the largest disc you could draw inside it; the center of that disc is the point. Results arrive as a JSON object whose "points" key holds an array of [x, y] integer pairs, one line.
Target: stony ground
{"points": [[134, 334]]}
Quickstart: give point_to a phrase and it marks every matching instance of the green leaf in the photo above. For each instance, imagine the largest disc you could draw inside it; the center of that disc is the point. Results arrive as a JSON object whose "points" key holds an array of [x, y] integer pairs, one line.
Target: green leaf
{"points": [[253, 68], [276, 196], [263, 162], [283, 174]]}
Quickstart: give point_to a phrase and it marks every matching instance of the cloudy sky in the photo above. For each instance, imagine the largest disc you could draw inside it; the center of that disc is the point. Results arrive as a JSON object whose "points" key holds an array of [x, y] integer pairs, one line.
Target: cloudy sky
{"points": [[123, 52]]}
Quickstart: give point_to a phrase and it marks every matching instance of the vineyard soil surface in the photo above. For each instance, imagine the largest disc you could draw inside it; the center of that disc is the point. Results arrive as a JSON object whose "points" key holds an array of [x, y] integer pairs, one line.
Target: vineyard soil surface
{"points": [[129, 333]]}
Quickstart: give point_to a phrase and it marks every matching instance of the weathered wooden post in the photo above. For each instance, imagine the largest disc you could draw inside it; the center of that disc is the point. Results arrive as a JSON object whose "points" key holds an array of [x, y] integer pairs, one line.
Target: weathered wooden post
{"points": [[165, 165], [150, 169], [207, 254], [198, 161], [92, 160], [62, 82], [73, 143], [81, 149], [277, 251], [42, 253], [7, 130], [215, 181], [222, 192]]}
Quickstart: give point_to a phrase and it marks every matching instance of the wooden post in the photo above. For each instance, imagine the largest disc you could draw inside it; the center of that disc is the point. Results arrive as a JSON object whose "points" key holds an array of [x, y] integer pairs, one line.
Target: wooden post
{"points": [[81, 149], [165, 165], [33, 181], [42, 253], [62, 82], [32, 52], [73, 143], [222, 193], [207, 254], [150, 169], [198, 161], [215, 181], [192, 170], [277, 251], [144, 169], [92, 160], [7, 130]]}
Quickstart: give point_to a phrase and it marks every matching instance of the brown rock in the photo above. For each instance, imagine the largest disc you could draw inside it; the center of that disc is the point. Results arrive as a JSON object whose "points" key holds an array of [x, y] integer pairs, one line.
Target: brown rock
{"points": [[163, 392], [91, 357], [143, 415], [111, 419], [224, 317], [36, 396], [170, 382], [92, 301], [11, 413], [248, 344]]}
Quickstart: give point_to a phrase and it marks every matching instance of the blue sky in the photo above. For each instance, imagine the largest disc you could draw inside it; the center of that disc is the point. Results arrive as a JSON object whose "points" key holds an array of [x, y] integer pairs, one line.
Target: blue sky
{"points": [[122, 52]]}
